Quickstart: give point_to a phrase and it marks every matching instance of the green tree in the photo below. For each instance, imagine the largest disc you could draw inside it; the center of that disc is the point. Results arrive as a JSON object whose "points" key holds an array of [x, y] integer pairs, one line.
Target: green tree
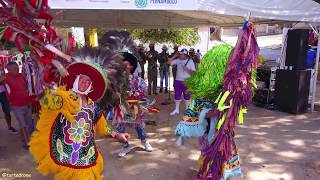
{"points": [[182, 36]]}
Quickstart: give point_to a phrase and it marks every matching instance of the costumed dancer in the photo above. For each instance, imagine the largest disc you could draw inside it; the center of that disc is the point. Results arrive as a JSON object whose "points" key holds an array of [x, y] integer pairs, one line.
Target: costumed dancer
{"points": [[129, 113], [63, 143], [133, 103], [204, 85], [215, 126], [28, 25]]}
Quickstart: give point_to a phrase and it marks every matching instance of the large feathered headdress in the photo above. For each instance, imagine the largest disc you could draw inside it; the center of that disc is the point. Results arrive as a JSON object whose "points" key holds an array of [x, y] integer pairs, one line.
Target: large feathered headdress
{"points": [[116, 42], [109, 58]]}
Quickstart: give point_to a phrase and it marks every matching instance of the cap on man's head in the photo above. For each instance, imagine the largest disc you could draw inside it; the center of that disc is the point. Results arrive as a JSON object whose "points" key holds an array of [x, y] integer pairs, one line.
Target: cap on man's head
{"points": [[184, 51], [151, 44], [164, 47]]}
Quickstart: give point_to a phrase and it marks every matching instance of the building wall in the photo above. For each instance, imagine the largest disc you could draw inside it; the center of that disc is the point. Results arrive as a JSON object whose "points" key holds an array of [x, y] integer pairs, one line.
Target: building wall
{"points": [[261, 29]]}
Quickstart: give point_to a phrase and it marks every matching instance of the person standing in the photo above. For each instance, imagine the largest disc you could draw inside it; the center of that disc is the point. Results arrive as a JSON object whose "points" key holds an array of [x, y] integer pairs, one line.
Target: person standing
{"points": [[193, 56], [20, 101], [152, 57], [129, 113], [164, 68], [4, 100], [174, 67], [198, 54], [142, 59], [185, 68]]}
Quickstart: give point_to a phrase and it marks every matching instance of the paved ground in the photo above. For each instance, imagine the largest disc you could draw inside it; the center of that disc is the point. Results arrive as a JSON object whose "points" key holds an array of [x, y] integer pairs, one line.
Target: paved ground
{"points": [[273, 146]]}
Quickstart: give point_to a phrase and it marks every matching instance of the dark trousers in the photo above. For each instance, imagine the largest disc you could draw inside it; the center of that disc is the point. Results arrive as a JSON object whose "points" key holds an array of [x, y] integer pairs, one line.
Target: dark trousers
{"points": [[163, 76], [152, 81], [174, 72]]}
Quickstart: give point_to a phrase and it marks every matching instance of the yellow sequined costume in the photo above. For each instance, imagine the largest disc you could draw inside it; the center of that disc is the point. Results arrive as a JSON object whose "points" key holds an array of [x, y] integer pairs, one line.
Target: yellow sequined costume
{"points": [[63, 143]]}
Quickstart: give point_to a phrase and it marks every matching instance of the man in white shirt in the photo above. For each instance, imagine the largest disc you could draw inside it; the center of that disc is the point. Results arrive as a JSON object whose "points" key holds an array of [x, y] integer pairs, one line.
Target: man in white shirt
{"points": [[185, 68]]}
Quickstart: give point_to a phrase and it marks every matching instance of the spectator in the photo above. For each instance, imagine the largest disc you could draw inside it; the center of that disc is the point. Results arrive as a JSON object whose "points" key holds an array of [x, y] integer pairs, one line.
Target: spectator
{"points": [[193, 56], [164, 68], [142, 59], [20, 102], [152, 57], [185, 68], [174, 67], [4, 100], [198, 54]]}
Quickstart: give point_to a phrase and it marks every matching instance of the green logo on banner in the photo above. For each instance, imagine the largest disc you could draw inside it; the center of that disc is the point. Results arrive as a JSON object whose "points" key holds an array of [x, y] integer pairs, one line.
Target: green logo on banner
{"points": [[141, 3]]}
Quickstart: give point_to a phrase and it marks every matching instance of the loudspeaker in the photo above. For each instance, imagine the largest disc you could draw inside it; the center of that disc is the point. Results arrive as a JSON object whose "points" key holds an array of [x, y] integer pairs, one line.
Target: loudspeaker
{"points": [[292, 90], [297, 46], [263, 74], [263, 97]]}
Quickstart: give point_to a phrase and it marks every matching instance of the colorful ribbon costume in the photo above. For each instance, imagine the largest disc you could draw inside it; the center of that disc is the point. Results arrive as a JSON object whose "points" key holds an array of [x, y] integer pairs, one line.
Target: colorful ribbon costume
{"points": [[28, 25], [232, 93]]}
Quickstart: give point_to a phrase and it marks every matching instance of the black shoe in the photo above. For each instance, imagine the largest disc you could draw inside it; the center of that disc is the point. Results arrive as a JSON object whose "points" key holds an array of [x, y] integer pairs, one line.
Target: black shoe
{"points": [[160, 91], [13, 130], [166, 91], [155, 93]]}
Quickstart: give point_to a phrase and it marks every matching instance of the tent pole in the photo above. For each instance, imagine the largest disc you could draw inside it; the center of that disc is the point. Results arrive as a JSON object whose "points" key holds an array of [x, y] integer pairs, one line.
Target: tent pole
{"points": [[282, 59], [314, 86], [248, 16], [208, 40]]}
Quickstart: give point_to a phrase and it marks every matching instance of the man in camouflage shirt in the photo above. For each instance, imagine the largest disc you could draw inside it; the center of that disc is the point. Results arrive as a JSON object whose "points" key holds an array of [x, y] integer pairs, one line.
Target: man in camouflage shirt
{"points": [[164, 67], [142, 58], [152, 58], [194, 57]]}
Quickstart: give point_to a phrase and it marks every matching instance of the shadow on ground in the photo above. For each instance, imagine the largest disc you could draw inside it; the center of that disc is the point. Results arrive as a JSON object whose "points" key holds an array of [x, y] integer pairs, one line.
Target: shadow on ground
{"points": [[273, 146]]}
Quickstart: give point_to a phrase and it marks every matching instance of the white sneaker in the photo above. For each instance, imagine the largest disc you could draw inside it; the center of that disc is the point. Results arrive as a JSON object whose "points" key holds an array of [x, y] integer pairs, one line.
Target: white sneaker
{"points": [[175, 112], [124, 151], [148, 147], [179, 141]]}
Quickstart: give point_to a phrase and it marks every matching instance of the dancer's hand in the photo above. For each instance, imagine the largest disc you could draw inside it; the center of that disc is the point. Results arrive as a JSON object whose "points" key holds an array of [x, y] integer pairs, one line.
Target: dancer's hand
{"points": [[123, 137], [209, 114]]}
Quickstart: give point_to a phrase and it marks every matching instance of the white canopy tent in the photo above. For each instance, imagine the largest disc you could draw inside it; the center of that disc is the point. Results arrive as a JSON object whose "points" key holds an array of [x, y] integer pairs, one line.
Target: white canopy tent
{"points": [[287, 10], [179, 13], [145, 18]]}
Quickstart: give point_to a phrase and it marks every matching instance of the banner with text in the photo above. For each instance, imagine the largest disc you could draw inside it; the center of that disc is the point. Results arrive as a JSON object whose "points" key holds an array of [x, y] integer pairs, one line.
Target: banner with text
{"points": [[125, 4]]}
